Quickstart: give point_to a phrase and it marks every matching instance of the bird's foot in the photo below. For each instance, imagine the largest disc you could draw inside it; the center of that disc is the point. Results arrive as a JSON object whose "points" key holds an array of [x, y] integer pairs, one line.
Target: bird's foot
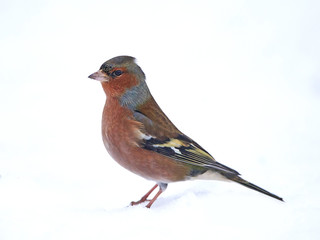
{"points": [[145, 197], [162, 187], [142, 200]]}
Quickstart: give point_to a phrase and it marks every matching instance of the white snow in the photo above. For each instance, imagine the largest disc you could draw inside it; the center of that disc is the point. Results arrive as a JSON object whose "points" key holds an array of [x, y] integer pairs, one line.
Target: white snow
{"points": [[241, 78]]}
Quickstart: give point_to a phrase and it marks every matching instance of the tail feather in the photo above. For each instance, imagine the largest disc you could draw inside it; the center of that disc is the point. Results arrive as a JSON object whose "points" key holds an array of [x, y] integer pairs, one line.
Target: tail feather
{"points": [[252, 186]]}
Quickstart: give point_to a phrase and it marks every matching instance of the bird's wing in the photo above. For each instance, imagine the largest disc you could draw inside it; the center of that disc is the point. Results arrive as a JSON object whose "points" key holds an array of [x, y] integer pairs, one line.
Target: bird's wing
{"points": [[174, 144]]}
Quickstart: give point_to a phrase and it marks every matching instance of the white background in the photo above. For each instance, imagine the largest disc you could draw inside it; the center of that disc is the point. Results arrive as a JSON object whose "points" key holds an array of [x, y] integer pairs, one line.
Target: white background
{"points": [[241, 78]]}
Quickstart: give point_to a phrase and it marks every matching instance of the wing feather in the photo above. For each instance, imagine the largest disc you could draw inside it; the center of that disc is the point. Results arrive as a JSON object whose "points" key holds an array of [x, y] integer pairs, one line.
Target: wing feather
{"points": [[176, 145]]}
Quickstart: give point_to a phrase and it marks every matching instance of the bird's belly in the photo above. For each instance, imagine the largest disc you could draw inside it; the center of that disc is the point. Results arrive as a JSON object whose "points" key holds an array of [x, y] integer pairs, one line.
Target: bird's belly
{"points": [[144, 163], [121, 137]]}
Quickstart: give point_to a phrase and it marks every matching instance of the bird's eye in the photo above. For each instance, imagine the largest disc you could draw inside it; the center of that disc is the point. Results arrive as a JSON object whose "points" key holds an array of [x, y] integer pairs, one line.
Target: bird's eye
{"points": [[116, 73]]}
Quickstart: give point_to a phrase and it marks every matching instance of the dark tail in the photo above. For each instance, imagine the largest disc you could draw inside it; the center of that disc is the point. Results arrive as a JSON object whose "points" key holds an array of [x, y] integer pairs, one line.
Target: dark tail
{"points": [[252, 186]]}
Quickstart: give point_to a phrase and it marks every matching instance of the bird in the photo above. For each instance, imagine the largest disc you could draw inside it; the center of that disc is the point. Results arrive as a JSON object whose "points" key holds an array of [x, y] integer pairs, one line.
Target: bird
{"points": [[141, 138]]}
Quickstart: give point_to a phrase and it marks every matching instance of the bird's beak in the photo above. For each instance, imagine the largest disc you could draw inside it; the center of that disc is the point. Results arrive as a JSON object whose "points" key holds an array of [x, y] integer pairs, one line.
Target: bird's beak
{"points": [[99, 76]]}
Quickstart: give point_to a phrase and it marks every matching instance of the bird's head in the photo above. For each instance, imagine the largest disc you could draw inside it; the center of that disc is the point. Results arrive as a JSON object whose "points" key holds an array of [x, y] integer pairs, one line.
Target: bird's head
{"points": [[121, 77]]}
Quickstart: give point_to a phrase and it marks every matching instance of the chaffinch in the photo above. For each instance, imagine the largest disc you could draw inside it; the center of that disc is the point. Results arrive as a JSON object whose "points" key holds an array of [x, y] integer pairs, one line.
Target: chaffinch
{"points": [[142, 139]]}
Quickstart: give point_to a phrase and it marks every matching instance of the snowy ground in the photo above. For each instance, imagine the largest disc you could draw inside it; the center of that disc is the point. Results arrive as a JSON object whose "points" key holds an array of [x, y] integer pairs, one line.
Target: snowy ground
{"points": [[241, 78]]}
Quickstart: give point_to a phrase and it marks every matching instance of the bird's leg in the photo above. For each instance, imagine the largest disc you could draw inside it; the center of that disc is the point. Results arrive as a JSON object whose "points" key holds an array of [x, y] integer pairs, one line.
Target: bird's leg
{"points": [[162, 187], [154, 198], [144, 198]]}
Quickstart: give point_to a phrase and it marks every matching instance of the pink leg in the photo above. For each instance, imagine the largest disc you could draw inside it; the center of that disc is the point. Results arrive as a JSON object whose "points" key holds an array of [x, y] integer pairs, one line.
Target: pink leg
{"points": [[144, 198], [162, 188], [155, 198]]}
